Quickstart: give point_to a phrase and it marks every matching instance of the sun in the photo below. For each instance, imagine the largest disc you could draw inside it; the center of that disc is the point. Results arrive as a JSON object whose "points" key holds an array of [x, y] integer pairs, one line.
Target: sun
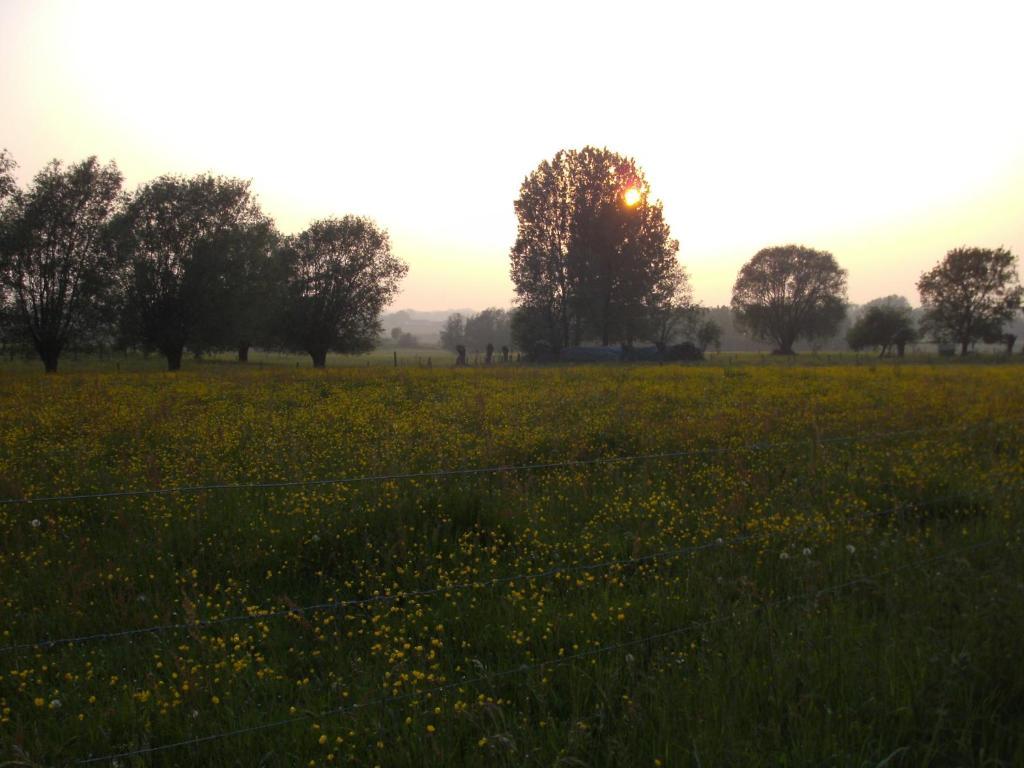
{"points": [[631, 196]]}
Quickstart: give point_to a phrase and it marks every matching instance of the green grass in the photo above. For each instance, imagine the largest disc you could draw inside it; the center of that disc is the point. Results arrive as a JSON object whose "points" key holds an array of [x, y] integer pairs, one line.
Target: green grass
{"points": [[895, 640]]}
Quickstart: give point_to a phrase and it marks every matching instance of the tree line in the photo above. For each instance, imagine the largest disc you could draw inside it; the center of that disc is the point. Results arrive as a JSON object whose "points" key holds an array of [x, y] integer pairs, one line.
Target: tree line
{"points": [[181, 263], [594, 262], [193, 263]]}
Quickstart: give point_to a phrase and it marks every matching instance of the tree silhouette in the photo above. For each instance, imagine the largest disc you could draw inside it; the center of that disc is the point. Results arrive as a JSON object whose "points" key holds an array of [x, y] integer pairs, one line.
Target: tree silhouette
{"points": [[491, 326], [55, 266], [454, 331], [593, 253], [254, 280], [341, 274], [789, 292], [970, 294], [183, 240], [8, 187], [885, 324]]}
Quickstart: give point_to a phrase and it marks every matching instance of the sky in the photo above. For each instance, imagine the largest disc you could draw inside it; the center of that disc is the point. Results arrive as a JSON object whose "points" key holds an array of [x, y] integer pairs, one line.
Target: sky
{"points": [[886, 133]]}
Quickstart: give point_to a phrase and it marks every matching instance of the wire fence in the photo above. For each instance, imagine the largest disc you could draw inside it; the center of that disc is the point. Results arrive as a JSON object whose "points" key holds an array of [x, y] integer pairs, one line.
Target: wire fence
{"points": [[335, 605], [569, 568], [524, 669], [401, 596]]}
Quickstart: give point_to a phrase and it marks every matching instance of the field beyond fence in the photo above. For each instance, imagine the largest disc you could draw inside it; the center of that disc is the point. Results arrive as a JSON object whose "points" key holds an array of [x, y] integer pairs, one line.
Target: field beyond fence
{"points": [[605, 566]]}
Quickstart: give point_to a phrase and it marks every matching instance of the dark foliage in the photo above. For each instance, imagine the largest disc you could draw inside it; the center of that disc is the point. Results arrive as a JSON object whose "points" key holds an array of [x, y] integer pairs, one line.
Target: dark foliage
{"points": [[188, 244], [885, 324], [55, 270], [341, 274], [587, 262], [970, 295], [789, 292]]}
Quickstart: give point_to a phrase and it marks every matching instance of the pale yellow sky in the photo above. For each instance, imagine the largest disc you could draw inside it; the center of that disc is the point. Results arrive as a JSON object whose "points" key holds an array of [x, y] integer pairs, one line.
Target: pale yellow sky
{"points": [[885, 132]]}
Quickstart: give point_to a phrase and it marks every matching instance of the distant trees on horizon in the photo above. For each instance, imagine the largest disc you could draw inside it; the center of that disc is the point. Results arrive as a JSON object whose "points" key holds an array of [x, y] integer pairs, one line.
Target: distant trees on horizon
{"points": [[193, 263]]}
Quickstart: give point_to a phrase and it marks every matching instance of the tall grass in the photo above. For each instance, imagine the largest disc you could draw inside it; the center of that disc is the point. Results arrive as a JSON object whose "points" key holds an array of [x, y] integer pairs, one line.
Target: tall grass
{"points": [[863, 606]]}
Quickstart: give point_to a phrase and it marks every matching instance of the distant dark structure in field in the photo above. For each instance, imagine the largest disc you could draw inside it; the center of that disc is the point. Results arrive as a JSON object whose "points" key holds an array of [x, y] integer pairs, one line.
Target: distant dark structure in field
{"points": [[626, 354]]}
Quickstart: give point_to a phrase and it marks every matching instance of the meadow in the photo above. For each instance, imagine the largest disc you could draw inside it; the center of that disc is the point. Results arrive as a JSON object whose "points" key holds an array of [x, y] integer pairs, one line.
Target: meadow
{"points": [[709, 565]]}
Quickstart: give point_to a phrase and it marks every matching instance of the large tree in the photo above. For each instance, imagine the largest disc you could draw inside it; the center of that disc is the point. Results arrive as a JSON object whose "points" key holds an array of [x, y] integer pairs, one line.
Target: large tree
{"points": [[593, 253], [970, 294], [790, 292], [341, 275], [183, 240], [55, 269]]}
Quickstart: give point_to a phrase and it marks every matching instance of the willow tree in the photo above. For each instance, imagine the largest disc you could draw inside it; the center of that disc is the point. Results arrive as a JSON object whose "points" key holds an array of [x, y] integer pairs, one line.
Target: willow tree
{"points": [[56, 269], [790, 292], [970, 294], [593, 253], [340, 276], [183, 240]]}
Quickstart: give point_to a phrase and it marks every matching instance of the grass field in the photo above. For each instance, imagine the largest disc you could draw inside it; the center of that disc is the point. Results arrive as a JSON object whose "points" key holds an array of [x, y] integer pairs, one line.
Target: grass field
{"points": [[805, 565]]}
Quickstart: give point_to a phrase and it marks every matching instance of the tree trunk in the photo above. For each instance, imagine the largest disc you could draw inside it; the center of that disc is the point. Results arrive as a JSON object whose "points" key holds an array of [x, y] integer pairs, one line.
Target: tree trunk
{"points": [[173, 355], [49, 356], [319, 357], [243, 351], [963, 347]]}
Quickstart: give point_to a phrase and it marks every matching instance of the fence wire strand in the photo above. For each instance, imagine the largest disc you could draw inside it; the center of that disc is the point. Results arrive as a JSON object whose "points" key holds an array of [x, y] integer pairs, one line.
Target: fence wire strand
{"points": [[527, 668], [335, 606]]}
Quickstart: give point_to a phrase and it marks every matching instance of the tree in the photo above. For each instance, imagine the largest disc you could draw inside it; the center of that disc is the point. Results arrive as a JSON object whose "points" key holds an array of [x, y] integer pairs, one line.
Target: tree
{"points": [[593, 253], [341, 274], [491, 326], [883, 324], [8, 187], [55, 267], [253, 287], [789, 292], [709, 334], [184, 241], [673, 315], [970, 294], [535, 331], [396, 334], [454, 332]]}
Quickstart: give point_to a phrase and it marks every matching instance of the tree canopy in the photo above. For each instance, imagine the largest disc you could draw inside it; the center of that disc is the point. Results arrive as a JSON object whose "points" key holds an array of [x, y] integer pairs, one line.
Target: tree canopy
{"points": [[970, 294], [884, 324], [340, 275], [593, 254], [7, 184], [785, 293], [54, 265], [184, 241], [491, 326]]}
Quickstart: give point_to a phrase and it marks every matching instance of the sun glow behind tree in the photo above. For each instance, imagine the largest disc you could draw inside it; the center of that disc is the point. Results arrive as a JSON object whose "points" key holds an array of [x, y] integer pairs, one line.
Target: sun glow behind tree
{"points": [[760, 124]]}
